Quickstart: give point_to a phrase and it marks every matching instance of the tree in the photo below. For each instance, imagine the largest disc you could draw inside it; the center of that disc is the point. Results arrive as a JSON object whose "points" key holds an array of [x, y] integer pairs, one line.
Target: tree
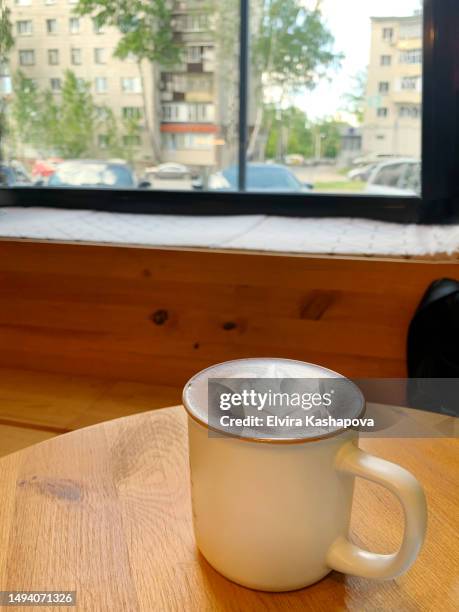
{"points": [[6, 44], [76, 117], [355, 100], [63, 126], [26, 110], [147, 34], [289, 132], [291, 51]]}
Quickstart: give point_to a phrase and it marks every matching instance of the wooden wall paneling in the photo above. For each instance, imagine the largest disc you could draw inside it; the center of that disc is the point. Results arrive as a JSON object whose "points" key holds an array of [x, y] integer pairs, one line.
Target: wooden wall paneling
{"points": [[159, 315]]}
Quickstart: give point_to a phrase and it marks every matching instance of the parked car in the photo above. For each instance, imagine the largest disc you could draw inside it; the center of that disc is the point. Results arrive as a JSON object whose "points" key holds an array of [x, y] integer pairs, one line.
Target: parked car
{"points": [[362, 173], [13, 174], [94, 174], [260, 177], [44, 168], [294, 159], [400, 176], [170, 175]]}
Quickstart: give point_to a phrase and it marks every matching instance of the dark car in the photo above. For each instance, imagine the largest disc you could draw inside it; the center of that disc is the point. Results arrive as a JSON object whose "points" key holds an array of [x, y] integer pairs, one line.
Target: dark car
{"points": [[260, 177], [13, 175], [94, 174]]}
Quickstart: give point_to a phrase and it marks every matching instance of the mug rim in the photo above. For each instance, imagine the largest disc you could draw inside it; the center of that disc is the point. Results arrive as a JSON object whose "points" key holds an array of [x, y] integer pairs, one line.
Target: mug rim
{"points": [[204, 423]]}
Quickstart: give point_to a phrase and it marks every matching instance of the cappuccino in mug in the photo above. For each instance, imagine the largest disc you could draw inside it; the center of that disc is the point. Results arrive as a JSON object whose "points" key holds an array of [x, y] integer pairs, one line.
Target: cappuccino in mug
{"points": [[272, 498]]}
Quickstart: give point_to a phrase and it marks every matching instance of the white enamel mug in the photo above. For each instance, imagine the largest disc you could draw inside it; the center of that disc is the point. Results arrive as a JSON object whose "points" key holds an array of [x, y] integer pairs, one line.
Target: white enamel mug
{"points": [[274, 515]]}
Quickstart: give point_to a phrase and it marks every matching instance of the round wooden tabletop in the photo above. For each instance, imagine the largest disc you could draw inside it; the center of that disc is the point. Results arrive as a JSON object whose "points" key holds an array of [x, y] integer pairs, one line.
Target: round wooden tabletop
{"points": [[105, 511]]}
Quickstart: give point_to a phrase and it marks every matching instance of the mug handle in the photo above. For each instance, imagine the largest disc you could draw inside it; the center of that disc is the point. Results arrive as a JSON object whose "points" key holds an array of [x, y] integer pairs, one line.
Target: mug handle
{"points": [[350, 559]]}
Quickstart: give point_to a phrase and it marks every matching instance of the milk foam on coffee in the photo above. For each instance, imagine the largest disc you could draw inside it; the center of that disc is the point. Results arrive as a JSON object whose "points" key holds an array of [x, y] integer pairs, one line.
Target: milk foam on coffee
{"points": [[272, 378]]}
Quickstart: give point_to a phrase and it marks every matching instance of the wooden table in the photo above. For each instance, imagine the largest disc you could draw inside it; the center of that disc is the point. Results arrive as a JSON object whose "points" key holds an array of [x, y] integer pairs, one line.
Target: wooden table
{"points": [[106, 511]]}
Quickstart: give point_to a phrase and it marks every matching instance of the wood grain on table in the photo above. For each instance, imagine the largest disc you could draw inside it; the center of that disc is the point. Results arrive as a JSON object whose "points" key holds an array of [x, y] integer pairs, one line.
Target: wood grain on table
{"points": [[106, 511]]}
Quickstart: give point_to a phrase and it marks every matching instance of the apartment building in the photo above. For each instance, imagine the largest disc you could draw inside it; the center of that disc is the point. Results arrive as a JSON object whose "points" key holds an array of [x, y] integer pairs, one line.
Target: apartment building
{"points": [[392, 117], [183, 103]]}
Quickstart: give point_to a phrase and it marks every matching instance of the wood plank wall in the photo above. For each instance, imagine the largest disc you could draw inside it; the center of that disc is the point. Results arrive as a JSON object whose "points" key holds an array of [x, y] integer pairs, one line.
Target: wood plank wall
{"points": [[159, 315]]}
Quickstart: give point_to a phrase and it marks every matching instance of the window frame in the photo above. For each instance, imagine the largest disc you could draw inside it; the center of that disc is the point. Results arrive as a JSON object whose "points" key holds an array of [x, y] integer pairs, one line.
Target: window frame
{"points": [[439, 200]]}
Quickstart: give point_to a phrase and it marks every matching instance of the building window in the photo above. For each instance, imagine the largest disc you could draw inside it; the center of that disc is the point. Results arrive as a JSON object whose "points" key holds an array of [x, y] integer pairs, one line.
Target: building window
{"points": [[102, 141], [388, 33], [131, 112], [23, 2], [383, 86], [50, 1], [382, 111], [74, 25], [27, 57], [75, 57], [101, 84], [53, 57], [24, 27], [131, 140], [411, 83], [410, 111], [99, 56], [386, 60], [191, 23], [55, 85], [187, 141], [131, 85], [97, 29], [51, 26], [194, 54], [411, 56], [102, 112]]}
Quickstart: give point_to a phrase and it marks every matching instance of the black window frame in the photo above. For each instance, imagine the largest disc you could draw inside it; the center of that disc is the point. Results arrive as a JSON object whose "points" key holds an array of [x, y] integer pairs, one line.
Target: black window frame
{"points": [[439, 202]]}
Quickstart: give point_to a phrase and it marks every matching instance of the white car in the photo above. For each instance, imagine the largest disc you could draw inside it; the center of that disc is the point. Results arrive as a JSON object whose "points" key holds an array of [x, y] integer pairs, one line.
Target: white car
{"points": [[401, 176]]}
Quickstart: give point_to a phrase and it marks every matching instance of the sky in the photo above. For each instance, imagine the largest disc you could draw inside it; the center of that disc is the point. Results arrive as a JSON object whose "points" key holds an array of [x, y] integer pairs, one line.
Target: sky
{"points": [[349, 22]]}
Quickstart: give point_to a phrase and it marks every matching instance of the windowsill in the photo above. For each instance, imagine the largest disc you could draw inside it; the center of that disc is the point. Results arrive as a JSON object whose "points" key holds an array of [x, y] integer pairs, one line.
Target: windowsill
{"points": [[326, 236]]}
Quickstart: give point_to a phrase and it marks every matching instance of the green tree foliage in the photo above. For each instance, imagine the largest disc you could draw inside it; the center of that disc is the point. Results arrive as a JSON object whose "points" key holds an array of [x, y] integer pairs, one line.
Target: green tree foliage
{"points": [[6, 44], [290, 131], [146, 33], [26, 110], [292, 49], [355, 99], [76, 117]]}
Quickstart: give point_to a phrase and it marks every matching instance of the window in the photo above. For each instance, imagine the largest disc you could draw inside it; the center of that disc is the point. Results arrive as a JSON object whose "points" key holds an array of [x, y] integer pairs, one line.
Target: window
{"points": [[24, 28], [23, 2], [51, 26], [390, 175], [102, 141], [388, 33], [411, 83], [48, 2], [27, 57], [411, 56], [74, 25], [191, 22], [131, 85], [97, 28], [102, 112], [358, 102], [132, 112], [53, 57], [99, 56], [101, 84], [131, 140], [75, 56], [410, 111], [55, 85]]}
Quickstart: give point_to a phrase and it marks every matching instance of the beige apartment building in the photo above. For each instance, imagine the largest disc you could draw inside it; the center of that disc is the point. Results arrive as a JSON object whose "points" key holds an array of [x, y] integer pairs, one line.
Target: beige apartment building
{"points": [[392, 117], [188, 107]]}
